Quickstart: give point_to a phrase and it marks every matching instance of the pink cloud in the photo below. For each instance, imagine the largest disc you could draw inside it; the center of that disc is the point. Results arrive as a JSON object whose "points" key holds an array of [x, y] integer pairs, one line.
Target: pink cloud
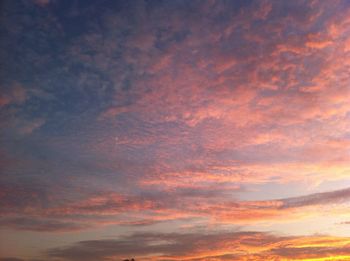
{"points": [[15, 94]]}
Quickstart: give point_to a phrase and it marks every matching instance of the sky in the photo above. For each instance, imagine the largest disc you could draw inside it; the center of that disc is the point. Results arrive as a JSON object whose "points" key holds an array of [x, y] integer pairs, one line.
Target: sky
{"points": [[174, 130]]}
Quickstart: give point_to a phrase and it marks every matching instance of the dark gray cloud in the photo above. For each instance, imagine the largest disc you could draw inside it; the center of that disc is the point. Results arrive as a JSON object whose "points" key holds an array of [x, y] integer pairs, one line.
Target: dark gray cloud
{"points": [[18, 259], [155, 244], [324, 198], [40, 224], [222, 246], [11, 259], [312, 252]]}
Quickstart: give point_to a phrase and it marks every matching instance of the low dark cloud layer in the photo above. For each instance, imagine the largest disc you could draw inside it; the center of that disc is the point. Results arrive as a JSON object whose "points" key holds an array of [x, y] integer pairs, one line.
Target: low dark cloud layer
{"points": [[224, 246]]}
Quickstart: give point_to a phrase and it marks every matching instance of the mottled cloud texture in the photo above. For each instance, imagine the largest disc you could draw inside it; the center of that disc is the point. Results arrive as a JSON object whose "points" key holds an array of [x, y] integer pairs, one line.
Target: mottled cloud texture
{"points": [[174, 130]]}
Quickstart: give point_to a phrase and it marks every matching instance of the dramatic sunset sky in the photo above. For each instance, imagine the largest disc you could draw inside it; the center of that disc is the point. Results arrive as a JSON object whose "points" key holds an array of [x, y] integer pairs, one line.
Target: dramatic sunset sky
{"points": [[174, 130]]}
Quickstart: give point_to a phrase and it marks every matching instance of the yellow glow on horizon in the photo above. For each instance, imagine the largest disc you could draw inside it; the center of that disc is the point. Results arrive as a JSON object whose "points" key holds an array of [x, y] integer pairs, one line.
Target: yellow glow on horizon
{"points": [[337, 258]]}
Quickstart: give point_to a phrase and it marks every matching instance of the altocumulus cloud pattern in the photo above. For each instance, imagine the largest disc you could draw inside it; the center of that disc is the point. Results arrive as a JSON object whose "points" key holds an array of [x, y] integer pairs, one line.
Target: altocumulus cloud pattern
{"points": [[174, 130]]}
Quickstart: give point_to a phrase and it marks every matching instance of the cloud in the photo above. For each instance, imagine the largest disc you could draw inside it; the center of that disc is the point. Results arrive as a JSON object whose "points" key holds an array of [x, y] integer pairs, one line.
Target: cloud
{"points": [[42, 2], [157, 246], [332, 197], [149, 208], [11, 259], [132, 115], [40, 224], [206, 246], [18, 259], [272, 210], [13, 94], [223, 105], [26, 127]]}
